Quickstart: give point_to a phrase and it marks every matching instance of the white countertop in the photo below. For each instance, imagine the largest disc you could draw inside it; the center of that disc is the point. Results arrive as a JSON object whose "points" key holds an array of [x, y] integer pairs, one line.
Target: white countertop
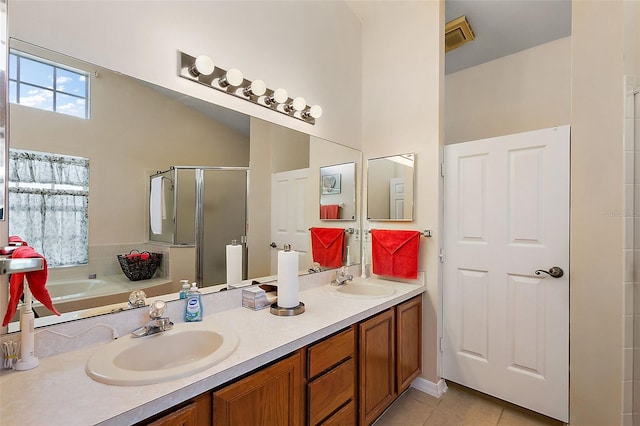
{"points": [[59, 391]]}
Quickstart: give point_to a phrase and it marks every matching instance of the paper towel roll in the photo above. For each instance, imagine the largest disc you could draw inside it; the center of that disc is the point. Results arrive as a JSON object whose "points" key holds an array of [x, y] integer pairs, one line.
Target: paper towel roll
{"points": [[234, 264], [288, 279]]}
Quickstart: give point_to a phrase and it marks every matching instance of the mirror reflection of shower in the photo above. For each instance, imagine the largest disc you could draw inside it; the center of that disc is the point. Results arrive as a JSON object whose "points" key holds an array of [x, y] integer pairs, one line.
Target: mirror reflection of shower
{"points": [[200, 209]]}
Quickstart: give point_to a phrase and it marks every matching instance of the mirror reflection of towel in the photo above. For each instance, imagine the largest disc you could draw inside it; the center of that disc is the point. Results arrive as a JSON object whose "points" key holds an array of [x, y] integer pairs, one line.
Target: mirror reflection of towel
{"points": [[395, 253], [36, 280], [327, 245], [330, 211], [157, 206]]}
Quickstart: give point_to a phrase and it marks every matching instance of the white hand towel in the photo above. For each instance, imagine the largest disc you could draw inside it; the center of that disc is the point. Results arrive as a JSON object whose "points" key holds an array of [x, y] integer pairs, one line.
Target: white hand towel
{"points": [[157, 208]]}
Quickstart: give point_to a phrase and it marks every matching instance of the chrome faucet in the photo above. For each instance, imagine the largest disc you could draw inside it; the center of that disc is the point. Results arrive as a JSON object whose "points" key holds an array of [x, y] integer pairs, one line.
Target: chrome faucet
{"points": [[158, 322], [137, 299], [316, 268], [342, 277]]}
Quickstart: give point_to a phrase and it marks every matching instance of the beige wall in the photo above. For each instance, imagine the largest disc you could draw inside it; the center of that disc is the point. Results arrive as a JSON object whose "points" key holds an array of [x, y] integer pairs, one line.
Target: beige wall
{"points": [[596, 237], [133, 132], [259, 218], [289, 149], [528, 90], [632, 37], [403, 56]]}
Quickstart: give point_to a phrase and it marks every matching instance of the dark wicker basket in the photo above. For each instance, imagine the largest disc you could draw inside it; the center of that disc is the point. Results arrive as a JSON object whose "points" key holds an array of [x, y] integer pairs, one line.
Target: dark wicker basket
{"points": [[139, 266]]}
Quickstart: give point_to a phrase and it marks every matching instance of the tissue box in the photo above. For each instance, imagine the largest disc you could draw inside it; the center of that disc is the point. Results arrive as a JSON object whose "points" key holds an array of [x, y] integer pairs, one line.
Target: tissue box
{"points": [[256, 298]]}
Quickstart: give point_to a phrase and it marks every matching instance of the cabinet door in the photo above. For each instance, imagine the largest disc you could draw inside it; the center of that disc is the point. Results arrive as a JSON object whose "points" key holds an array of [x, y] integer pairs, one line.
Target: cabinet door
{"points": [[185, 416], [377, 366], [271, 396], [197, 413], [409, 343]]}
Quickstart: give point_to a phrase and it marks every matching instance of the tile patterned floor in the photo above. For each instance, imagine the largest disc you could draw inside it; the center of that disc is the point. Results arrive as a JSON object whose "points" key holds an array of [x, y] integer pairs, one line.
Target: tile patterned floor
{"points": [[458, 406]]}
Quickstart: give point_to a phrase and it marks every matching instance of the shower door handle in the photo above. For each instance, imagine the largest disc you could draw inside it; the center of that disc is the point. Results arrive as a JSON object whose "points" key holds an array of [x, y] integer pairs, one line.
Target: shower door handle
{"points": [[555, 272]]}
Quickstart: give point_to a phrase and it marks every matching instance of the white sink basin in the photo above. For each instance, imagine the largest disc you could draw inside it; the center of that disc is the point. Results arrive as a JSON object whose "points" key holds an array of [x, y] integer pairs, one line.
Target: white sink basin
{"points": [[184, 350], [360, 290]]}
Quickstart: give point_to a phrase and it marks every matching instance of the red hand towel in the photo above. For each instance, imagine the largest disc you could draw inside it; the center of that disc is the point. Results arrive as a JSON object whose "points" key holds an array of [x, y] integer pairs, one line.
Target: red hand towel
{"points": [[330, 211], [37, 281], [327, 245], [15, 239], [395, 253]]}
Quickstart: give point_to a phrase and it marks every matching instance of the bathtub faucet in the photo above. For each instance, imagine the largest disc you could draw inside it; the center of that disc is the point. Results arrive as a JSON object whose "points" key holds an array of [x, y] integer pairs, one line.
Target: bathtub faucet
{"points": [[158, 323]]}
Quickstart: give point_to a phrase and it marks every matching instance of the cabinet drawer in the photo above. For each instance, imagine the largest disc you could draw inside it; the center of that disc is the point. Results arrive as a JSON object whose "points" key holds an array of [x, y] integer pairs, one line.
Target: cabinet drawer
{"points": [[346, 416], [326, 354], [331, 390]]}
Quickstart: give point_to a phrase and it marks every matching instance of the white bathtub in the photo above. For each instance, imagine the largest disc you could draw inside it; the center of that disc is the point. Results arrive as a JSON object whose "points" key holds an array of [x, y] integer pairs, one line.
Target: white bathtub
{"points": [[79, 294], [73, 289]]}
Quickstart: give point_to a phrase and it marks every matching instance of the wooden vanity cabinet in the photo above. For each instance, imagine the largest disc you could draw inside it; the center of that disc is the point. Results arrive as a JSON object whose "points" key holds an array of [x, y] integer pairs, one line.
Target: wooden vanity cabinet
{"points": [[349, 378], [271, 396], [331, 380], [390, 357]]}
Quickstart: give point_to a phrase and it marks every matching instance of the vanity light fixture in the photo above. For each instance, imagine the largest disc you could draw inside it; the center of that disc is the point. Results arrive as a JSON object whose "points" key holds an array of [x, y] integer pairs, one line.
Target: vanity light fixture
{"points": [[233, 77], [255, 88], [203, 65], [201, 69], [279, 96]]}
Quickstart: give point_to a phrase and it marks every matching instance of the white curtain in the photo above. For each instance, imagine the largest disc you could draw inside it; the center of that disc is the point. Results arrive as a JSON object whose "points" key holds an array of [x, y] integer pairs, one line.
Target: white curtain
{"points": [[49, 204]]}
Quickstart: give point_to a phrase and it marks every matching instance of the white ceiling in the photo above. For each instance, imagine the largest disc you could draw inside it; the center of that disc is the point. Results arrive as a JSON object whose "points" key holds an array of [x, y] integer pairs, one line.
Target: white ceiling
{"points": [[503, 27]]}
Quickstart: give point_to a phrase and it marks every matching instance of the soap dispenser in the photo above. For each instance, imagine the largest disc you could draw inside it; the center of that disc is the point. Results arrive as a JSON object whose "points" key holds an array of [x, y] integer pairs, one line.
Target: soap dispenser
{"points": [[184, 291], [193, 307]]}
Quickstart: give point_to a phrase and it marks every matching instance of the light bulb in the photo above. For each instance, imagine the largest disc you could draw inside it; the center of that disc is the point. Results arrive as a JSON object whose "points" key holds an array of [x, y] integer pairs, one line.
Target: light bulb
{"points": [[315, 111], [299, 103], [202, 65], [256, 88], [279, 96], [233, 77]]}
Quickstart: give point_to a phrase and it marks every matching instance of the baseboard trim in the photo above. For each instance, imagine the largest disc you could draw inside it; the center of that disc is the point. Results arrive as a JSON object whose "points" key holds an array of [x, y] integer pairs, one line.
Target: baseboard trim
{"points": [[430, 388]]}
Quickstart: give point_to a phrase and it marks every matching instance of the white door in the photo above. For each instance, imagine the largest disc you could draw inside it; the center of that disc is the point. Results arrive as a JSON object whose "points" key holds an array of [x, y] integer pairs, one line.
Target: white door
{"points": [[396, 198], [505, 328], [288, 214]]}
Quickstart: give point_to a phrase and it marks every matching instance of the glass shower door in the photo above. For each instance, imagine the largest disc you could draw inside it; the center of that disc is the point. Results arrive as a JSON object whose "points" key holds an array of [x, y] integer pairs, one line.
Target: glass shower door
{"points": [[224, 218]]}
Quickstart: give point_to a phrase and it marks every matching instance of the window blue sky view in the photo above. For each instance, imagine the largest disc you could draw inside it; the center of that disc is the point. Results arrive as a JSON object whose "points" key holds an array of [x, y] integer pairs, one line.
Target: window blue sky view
{"points": [[32, 84]]}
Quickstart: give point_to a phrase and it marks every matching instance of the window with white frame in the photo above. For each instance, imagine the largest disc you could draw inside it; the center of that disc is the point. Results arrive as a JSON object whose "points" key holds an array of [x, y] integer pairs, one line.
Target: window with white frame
{"points": [[42, 84], [49, 204]]}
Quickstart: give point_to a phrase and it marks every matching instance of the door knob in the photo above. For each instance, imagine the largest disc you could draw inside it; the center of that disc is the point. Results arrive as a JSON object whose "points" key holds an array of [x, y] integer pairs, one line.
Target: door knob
{"points": [[273, 245], [555, 272]]}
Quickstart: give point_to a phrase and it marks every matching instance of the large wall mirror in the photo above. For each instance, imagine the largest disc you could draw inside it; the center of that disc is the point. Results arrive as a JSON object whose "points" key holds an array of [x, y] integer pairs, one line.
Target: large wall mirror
{"points": [[136, 129], [390, 188]]}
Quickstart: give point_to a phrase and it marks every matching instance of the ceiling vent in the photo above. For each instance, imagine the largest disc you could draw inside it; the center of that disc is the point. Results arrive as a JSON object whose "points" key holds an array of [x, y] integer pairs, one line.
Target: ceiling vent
{"points": [[457, 33]]}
